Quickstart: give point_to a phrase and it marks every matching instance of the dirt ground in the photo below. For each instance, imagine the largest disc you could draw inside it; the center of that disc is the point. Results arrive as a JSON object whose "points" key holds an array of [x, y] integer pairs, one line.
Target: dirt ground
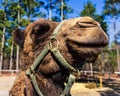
{"points": [[79, 89], [6, 83], [111, 87]]}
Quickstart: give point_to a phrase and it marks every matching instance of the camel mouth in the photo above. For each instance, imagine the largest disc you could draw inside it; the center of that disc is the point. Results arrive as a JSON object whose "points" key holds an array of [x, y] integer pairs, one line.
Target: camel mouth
{"points": [[88, 43], [86, 49]]}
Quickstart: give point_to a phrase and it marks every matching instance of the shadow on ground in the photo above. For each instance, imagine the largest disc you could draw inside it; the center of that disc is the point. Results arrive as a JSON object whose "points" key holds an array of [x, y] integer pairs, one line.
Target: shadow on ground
{"points": [[114, 84], [109, 93], [111, 88]]}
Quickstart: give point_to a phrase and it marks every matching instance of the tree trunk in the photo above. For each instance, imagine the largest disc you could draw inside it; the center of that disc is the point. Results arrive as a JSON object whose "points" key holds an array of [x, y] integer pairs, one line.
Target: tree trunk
{"points": [[62, 4], [17, 53], [50, 11], [17, 58], [2, 49], [29, 3], [117, 49], [3, 41], [11, 57], [118, 62]]}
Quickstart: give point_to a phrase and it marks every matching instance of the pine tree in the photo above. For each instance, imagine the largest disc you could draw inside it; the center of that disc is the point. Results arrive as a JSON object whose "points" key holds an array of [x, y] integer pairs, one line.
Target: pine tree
{"points": [[32, 9], [3, 35], [21, 13], [112, 10], [63, 10], [57, 10], [5, 23]]}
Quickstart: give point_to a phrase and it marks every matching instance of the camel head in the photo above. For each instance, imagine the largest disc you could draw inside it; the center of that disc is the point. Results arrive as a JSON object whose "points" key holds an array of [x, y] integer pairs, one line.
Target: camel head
{"points": [[79, 39]]}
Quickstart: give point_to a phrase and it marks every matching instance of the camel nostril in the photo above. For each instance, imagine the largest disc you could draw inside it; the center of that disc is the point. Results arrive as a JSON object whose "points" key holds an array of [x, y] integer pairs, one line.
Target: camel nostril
{"points": [[85, 24], [87, 21]]}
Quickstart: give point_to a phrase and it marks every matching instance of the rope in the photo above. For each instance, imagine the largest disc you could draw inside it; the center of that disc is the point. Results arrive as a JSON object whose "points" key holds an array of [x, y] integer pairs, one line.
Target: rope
{"points": [[62, 61], [37, 61], [66, 91], [34, 81]]}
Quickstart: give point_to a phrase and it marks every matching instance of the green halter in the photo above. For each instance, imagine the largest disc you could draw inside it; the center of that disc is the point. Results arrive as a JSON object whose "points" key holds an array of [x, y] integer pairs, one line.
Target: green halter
{"points": [[49, 48]]}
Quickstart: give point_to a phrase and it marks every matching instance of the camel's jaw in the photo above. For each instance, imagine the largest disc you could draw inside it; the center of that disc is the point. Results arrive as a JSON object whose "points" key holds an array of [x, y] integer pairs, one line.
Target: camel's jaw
{"points": [[89, 53], [87, 48]]}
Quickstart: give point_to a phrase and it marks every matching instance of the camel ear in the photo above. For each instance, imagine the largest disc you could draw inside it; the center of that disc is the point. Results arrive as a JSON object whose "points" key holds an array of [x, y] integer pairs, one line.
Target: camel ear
{"points": [[18, 37]]}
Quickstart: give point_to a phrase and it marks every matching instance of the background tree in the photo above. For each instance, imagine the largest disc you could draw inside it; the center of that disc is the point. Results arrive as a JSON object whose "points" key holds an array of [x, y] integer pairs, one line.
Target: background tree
{"points": [[54, 6], [32, 9], [112, 10], [3, 13]]}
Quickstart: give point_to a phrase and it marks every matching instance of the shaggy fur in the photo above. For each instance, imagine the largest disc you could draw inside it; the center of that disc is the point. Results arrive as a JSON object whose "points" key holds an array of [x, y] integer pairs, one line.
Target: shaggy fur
{"points": [[79, 39]]}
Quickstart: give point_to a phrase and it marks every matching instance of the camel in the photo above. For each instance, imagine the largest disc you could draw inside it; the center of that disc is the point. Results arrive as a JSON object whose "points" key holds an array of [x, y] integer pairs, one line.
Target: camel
{"points": [[52, 52]]}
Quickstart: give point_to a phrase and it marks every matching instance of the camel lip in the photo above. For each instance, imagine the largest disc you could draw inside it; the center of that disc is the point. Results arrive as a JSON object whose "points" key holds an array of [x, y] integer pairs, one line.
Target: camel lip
{"points": [[85, 50], [91, 44]]}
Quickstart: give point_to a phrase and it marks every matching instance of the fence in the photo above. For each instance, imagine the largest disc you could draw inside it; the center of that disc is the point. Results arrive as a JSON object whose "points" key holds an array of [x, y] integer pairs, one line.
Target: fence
{"points": [[9, 71]]}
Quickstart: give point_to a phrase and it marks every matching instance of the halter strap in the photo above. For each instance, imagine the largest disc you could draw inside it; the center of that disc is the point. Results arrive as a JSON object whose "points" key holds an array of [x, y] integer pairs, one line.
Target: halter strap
{"points": [[56, 30], [48, 48]]}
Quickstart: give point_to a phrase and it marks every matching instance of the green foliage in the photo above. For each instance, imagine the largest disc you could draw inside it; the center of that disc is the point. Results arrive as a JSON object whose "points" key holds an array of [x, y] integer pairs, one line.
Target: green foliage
{"points": [[100, 19], [89, 10], [24, 22], [1, 14], [55, 7], [111, 62], [1, 18], [112, 8], [112, 59], [107, 61], [33, 8]]}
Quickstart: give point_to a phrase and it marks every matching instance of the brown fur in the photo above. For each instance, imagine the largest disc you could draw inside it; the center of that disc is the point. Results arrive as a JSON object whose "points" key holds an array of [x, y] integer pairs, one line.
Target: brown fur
{"points": [[79, 39]]}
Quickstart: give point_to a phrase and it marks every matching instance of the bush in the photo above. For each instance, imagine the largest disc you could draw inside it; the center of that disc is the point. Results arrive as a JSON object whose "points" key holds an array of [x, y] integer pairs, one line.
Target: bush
{"points": [[91, 85]]}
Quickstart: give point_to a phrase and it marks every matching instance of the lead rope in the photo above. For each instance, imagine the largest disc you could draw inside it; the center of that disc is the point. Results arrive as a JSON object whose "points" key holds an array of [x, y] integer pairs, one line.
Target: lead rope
{"points": [[49, 48], [66, 91]]}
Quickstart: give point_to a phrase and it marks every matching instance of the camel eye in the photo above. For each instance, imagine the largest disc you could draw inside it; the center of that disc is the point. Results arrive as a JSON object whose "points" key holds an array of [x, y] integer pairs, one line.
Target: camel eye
{"points": [[40, 28], [37, 30]]}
